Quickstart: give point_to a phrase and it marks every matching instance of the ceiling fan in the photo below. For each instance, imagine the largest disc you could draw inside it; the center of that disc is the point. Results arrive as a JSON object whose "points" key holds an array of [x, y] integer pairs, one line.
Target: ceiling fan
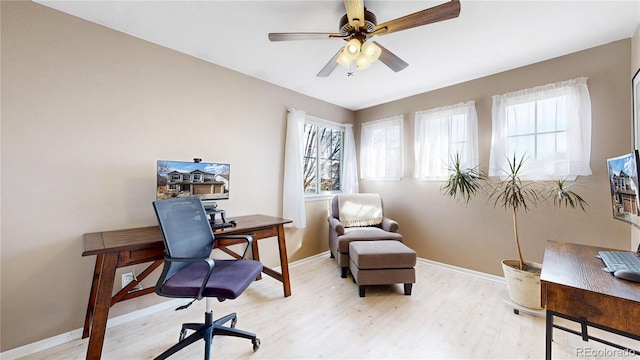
{"points": [[359, 25]]}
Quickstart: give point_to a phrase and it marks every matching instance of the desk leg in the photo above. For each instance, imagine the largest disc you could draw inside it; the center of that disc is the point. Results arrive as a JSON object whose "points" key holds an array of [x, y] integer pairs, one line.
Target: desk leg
{"points": [[92, 296], [102, 305], [284, 261], [549, 335], [255, 254]]}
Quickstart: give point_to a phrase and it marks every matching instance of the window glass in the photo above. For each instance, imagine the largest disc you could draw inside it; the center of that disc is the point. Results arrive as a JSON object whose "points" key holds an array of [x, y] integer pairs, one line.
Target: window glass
{"points": [[322, 158], [540, 124]]}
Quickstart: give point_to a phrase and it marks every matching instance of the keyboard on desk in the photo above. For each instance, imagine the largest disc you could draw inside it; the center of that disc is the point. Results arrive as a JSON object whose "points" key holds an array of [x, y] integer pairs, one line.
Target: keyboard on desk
{"points": [[620, 260]]}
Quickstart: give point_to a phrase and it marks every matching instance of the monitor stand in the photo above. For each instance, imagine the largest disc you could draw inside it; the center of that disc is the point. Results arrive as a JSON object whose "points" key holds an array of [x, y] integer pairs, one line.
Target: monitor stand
{"points": [[212, 211]]}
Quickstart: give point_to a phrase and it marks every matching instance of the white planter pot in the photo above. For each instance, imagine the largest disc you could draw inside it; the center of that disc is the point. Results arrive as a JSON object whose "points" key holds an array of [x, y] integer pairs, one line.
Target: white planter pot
{"points": [[523, 286]]}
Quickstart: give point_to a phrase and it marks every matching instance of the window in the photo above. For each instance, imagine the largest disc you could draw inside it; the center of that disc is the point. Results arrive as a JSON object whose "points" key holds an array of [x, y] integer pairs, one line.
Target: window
{"points": [[549, 125], [440, 135], [381, 155], [322, 157]]}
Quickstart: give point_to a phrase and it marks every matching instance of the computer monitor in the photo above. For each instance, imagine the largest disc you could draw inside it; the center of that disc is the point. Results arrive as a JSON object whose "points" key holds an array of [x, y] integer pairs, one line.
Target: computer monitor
{"points": [[208, 181], [623, 181]]}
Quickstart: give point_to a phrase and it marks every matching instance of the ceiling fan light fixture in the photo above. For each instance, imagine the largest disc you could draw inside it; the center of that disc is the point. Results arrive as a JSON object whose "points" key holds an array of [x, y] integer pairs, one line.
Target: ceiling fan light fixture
{"points": [[349, 53], [344, 60], [371, 51], [363, 62], [353, 48]]}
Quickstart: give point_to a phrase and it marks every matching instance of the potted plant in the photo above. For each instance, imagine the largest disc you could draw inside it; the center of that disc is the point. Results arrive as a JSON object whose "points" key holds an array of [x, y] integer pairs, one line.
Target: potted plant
{"points": [[514, 194]]}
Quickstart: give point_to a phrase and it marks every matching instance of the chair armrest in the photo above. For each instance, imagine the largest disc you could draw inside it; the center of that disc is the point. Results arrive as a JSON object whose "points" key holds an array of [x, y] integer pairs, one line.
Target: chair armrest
{"points": [[389, 225], [209, 262], [336, 225], [247, 238]]}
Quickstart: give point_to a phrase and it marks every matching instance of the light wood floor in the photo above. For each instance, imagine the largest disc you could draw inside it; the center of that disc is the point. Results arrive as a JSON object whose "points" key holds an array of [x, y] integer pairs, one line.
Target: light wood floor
{"points": [[450, 315]]}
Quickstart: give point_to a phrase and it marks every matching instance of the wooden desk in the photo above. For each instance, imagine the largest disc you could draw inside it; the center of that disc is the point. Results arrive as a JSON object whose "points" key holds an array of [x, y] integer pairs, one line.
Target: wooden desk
{"points": [[575, 287], [119, 248]]}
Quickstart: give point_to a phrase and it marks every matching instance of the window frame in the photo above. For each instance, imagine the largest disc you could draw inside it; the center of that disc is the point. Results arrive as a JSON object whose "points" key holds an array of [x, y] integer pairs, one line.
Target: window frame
{"points": [[318, 122]]}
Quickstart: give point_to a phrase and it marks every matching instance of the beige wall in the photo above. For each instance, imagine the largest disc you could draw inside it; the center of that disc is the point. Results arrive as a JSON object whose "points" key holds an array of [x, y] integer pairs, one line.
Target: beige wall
{"points": [[478, 236], [86, 112]]}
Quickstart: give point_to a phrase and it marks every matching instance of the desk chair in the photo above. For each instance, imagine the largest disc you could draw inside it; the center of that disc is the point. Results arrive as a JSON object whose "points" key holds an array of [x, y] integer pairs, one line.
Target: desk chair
{"points": [[189, 272]]}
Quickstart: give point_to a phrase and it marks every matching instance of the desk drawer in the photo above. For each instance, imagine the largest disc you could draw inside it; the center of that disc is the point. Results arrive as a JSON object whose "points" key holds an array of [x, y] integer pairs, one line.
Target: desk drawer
{"points": [[140, 256], [264, 233]]}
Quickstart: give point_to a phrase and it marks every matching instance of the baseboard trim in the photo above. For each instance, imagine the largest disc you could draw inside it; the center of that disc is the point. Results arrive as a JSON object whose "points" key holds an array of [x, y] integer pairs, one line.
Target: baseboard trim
{"points": [[48, 343], [478, 274]]}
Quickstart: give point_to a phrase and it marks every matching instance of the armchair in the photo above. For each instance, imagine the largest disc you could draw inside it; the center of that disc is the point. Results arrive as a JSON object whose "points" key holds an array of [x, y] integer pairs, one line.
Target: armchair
{"points": [[357, 217], [189, 272]]}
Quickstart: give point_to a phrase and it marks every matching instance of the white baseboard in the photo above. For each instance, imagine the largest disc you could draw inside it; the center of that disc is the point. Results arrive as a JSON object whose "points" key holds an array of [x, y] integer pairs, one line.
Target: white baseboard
{"points": [[118, 320], [478, 274]]}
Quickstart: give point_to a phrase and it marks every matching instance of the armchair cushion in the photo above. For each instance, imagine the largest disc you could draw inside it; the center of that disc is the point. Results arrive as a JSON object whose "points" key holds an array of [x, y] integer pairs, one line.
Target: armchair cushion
{"points": [[364, 233]]}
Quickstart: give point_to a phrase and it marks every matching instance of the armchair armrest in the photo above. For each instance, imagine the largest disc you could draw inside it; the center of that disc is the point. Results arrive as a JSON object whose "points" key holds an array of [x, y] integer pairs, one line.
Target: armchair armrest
{"points": [[209, 262], [389, 225], [336, 225], [247, 238]]}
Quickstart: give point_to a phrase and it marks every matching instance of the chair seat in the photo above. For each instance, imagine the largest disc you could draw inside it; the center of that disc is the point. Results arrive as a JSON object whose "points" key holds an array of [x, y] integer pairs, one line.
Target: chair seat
{"points": [[228, 280], [364, 233]]}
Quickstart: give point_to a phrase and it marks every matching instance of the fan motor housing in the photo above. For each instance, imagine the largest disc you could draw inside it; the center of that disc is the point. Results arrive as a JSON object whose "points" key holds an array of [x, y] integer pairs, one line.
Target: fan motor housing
{"points": [[370, 23]]}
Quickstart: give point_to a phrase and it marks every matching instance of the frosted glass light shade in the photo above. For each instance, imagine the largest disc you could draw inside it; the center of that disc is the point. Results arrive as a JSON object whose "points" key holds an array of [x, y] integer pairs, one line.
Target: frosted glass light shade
{"points": [[344, 60], [349, 53], [371, 51], [363, 62], [353, 48]]}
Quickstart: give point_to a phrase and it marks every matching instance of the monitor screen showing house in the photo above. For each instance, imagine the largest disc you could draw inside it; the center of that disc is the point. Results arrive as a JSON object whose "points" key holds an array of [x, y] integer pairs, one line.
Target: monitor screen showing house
{"points": [[623, 178], [209, 181]]}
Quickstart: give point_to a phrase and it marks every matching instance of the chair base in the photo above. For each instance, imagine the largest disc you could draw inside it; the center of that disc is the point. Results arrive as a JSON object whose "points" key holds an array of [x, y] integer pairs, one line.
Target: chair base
{"points": [[207, 331]]}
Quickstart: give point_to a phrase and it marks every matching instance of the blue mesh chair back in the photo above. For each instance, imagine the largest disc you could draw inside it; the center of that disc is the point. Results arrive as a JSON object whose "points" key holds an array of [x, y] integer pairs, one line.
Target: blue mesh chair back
{"points": [[186, 229]]}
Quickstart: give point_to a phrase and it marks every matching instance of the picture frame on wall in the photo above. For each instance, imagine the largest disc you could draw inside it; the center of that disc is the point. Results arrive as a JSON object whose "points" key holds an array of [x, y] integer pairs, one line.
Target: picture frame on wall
{"points": [[635, 93]]}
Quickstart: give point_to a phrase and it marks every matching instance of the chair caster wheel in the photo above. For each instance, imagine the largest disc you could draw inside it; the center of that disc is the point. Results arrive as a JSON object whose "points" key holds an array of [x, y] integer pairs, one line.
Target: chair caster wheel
{"points": [[183, 334], [233, 322], [256, 344]]}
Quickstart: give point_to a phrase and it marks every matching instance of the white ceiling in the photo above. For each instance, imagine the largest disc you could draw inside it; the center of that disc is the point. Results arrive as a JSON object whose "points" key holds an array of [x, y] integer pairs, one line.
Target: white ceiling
{"points": [[488, 37]]}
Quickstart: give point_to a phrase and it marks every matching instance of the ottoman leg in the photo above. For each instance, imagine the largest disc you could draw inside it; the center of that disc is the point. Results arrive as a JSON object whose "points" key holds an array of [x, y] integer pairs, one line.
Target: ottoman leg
{"points": [[407, 288], [343, 272], [361, 290]]}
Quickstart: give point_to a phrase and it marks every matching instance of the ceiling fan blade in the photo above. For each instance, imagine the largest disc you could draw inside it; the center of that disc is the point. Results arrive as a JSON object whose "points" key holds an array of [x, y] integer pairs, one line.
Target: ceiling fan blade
{"points": [[355, 12], [390, 59], [434, 14], [331, 65], [303, 36]]}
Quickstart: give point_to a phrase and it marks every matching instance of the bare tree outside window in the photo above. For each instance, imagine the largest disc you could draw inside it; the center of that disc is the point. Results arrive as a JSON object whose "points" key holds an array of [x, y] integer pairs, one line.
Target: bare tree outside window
{"points": [[322, 159]]}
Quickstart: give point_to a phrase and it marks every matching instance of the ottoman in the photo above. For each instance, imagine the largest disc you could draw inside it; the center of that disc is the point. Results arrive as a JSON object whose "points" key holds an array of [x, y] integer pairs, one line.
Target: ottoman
{"points": [[382, 262]]}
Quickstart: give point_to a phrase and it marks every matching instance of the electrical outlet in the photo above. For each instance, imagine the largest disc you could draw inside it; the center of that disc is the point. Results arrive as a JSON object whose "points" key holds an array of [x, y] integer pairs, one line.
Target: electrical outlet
{"points": [[127, 278]]}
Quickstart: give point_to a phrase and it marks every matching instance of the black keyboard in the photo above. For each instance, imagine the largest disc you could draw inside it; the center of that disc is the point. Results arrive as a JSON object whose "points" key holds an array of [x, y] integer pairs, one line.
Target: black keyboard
{"points": [[620, 260]]}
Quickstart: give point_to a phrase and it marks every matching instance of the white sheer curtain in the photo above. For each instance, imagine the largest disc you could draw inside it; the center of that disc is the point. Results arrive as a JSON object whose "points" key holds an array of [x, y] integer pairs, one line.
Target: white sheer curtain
{"points": [[349, 163], [550, 125], [381, 150], [440, 134], [293, 189]]}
